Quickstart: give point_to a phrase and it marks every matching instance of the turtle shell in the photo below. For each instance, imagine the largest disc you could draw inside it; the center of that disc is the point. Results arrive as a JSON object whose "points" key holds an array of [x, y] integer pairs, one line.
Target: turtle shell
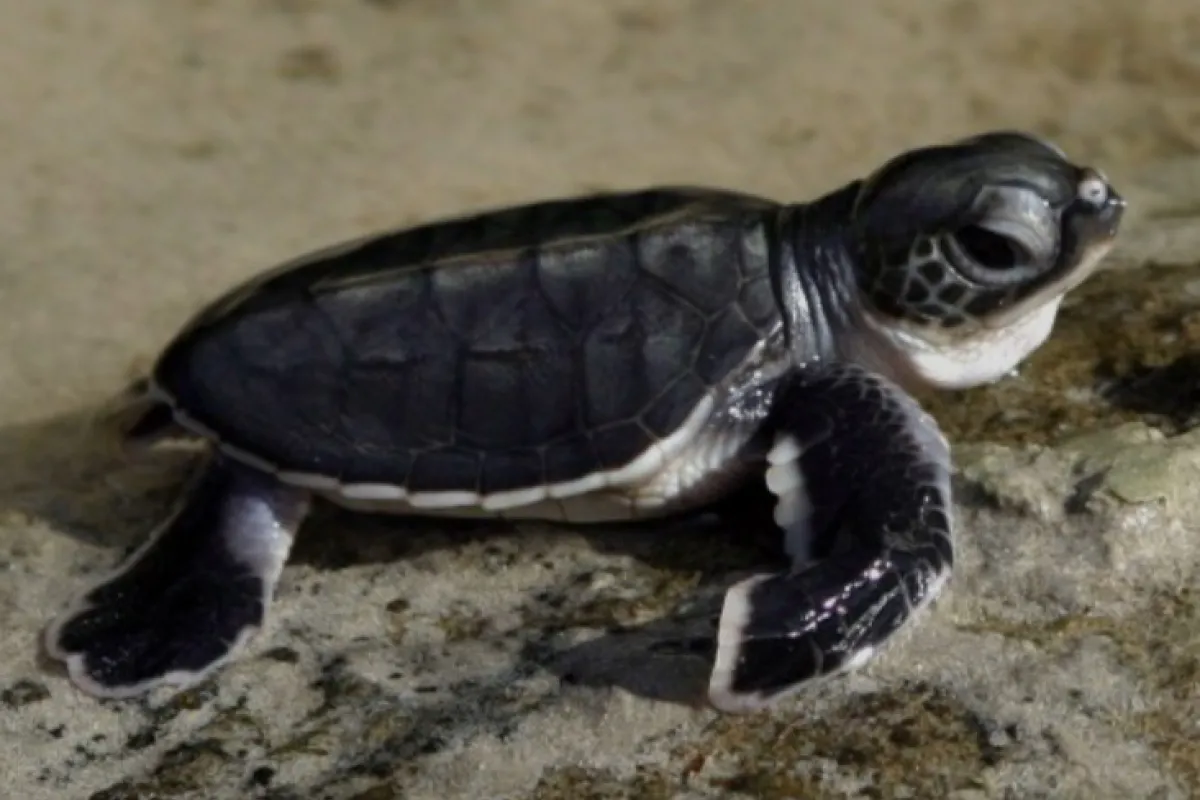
{"points": [[522, 347]]}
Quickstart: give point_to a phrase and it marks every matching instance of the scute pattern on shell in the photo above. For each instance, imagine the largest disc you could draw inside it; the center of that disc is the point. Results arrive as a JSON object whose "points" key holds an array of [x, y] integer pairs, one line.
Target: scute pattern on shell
{"points": [[571, 351]]}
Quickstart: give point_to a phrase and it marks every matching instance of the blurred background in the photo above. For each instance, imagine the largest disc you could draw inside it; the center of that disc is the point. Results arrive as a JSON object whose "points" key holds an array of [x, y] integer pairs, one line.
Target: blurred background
{"points": [[154, 150]]}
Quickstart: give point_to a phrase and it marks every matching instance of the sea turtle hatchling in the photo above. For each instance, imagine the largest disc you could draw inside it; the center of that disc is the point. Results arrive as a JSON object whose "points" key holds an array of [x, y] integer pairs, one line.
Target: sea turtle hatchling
{"points": [[611, 357]]}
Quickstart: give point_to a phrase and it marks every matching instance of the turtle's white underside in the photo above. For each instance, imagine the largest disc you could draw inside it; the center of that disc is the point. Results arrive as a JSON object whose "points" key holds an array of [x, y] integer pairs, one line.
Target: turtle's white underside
{"points": [[694, 464], [690, 466]]}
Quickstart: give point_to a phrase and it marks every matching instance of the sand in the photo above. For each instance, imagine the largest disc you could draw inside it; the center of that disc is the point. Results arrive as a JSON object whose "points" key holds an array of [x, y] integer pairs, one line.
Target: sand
{"points": [[155, 152]]}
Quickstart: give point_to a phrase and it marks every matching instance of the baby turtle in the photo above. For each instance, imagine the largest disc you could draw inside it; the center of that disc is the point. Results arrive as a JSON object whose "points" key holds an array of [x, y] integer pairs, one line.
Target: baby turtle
{"points": [[614, 357]]}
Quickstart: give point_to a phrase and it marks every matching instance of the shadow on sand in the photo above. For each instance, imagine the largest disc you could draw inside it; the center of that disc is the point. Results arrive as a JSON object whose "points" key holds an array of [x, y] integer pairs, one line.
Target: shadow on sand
{"points": [[71, 474]]}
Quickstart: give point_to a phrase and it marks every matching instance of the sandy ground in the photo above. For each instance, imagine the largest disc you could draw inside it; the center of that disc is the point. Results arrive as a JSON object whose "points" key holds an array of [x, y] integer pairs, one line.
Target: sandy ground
{"points": [[154, 151]]}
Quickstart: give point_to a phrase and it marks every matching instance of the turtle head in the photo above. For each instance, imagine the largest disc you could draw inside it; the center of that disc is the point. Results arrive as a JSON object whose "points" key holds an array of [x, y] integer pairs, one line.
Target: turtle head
{"points": [[963, 252]]}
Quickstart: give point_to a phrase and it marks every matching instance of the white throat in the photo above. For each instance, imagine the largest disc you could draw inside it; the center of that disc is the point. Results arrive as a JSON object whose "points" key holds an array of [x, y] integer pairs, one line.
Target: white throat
{"points": [[984, 357]]}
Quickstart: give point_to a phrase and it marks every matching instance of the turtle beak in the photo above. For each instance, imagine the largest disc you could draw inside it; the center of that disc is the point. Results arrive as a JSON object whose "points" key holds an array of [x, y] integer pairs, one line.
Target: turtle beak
{"points": [[1112, 212], [1103, 204]]}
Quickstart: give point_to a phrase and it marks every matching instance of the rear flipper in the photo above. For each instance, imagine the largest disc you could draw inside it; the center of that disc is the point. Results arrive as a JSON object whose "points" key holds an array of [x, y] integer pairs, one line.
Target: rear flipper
{"points": [[863, 480], [186, 600]]}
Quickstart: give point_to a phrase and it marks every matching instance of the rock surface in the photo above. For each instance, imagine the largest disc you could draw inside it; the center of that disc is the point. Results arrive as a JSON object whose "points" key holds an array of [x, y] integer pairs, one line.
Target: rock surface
{"points": [[156, 152]]}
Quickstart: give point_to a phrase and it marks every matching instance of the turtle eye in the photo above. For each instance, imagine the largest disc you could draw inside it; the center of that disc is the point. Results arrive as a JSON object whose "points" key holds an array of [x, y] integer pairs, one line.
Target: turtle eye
{"points": [[1010, 237], [992, 250], [995, 252]]}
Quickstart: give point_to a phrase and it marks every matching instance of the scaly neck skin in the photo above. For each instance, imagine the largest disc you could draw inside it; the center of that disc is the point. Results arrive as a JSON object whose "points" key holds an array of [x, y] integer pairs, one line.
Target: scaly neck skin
{"points": [[826, 319], [814, 278]]}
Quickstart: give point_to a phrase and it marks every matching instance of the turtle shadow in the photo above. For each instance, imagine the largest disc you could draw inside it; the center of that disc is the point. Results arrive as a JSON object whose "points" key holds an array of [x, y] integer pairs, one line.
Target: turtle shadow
{"points": [[70, 474], [665, 659], [1168, 394], [669, 657], [740, 526]]}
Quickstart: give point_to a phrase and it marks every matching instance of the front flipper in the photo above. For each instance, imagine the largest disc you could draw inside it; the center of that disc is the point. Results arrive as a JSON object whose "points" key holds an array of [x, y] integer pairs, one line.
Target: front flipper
{"points": [[186, 600], [864, 474]]}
